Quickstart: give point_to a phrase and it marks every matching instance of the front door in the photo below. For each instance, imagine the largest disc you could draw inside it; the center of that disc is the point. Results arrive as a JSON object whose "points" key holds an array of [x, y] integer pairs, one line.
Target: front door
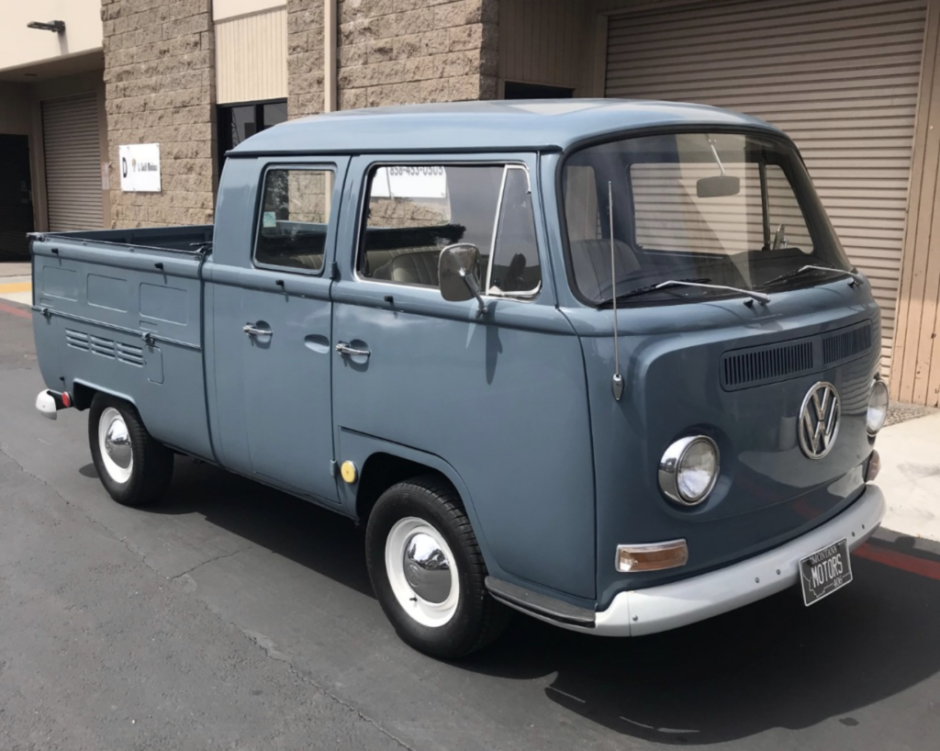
{"points": [[276, 335], [498, 396], [16, 203]]}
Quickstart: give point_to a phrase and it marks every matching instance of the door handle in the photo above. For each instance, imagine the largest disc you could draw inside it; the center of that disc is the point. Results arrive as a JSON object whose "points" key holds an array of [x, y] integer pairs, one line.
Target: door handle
{"points": [[344, 349], [252, 330]]}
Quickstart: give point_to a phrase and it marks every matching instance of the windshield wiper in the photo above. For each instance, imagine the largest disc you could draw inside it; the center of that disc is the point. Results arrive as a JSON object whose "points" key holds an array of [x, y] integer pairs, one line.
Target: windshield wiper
{"points": [[856, 277], [698, 283]]}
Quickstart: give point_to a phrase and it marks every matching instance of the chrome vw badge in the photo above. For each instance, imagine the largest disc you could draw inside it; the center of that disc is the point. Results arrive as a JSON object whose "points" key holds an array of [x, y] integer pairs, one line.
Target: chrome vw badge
{"points": [[819, 420]]}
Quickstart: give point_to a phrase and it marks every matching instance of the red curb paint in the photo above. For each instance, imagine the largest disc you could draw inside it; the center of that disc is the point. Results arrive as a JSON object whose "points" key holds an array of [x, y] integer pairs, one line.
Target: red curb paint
{"points": [[901, 561], [4, 308]]}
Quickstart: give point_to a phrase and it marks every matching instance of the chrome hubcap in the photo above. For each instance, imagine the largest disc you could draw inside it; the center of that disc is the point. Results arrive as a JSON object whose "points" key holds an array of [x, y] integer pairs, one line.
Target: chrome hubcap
{"points": [[422, 572], [427, 568], [114, 443], [117, 442]]}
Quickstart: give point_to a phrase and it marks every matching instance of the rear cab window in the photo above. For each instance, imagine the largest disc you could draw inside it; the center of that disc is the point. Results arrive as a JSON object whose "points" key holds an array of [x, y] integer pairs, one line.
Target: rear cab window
{"points": [[294, 217], [413, 211]]}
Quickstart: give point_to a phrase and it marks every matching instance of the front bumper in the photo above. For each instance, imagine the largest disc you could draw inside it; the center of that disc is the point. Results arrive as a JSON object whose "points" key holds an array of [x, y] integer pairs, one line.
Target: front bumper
{"points": [[648, 611]]}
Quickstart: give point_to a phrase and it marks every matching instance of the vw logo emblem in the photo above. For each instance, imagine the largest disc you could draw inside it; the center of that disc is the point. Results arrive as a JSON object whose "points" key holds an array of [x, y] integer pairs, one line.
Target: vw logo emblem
{"points": [[819, 420]]}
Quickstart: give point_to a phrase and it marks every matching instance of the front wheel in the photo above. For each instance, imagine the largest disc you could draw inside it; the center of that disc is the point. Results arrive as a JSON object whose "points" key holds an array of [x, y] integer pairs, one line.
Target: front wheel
{"points": [[134, 468], [428, 572]]}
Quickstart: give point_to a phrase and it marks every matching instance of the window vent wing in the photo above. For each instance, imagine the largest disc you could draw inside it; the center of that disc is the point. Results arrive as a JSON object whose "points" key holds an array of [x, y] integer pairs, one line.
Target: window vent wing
{"points": [[760, 365], [846, 344]]}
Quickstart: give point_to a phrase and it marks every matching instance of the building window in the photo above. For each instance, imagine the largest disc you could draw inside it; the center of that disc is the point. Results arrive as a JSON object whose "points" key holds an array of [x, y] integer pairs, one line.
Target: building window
{"points": [[520, 90], [240, 121]]}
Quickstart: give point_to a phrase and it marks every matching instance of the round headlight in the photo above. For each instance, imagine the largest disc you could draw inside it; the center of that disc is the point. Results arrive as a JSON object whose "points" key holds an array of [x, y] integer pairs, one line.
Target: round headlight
{"points": [[877, 407], [689, 469]]}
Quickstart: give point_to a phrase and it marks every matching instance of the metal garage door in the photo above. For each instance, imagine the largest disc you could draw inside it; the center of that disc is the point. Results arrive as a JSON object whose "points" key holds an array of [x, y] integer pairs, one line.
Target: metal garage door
{"points": [[840, 76], [73, 163]]}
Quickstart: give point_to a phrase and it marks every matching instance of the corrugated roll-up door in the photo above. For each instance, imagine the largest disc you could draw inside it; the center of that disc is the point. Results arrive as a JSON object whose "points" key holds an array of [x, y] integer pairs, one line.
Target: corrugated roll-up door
{"points": [[840, 76], [73, 163]]}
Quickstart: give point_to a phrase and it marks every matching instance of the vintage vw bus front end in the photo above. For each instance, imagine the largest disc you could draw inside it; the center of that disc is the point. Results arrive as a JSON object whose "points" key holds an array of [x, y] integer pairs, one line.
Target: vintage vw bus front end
{"points": [[734, 413]]}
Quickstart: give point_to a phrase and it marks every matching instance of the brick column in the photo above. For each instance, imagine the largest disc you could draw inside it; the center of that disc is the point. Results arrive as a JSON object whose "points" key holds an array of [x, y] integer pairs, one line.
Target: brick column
{"points": [[159, 73], [395, 52], [304, 57]]}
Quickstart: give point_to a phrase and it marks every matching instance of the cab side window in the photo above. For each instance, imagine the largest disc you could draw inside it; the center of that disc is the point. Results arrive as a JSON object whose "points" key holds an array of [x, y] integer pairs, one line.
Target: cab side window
{"points": [[295, 211], [413, 211]]}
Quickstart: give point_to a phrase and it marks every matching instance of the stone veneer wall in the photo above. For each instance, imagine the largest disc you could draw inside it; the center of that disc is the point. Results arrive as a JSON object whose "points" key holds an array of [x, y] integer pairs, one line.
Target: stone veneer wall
{"points": [[304, 57], [159, 73], [395, 52]]}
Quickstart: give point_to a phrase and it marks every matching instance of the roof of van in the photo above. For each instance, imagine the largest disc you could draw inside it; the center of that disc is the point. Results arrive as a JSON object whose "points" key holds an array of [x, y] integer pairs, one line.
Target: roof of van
{"points": [[505, 125]]}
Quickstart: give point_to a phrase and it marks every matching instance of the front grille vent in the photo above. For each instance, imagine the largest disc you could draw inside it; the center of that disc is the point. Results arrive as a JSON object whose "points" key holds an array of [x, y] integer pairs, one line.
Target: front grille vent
{"points": [[845, 345], [754, 367]]}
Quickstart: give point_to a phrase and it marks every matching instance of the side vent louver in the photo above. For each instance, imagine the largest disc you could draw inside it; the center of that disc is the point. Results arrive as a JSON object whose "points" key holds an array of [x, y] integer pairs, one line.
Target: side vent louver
{"points": [[130, 355], [126, 353], [846, 344], [76, 340], [761, 365], [103, 347]]}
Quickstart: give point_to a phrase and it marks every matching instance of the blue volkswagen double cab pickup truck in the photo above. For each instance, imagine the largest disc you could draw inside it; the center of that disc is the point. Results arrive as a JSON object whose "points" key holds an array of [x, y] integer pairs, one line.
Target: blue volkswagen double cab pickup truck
{"points": [[603, 362]]}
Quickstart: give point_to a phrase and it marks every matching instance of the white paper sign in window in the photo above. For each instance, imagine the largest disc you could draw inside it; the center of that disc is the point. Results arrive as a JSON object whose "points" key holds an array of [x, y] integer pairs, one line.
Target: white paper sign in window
{"points": [[410, 181], [140, 168]]}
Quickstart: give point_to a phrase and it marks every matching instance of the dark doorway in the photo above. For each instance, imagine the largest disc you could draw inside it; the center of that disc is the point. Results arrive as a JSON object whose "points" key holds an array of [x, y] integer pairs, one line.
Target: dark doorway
{"points": [[236, 122], [16, 200], [517, 90]]}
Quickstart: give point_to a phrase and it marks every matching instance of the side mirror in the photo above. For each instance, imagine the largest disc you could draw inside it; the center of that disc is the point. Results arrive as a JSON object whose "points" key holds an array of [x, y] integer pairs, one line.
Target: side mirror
{"points": [[457, 273]]}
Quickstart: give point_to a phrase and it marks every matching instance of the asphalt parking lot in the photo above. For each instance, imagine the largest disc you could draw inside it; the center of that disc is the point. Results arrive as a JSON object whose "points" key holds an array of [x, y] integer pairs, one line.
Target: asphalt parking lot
{"points": [[233, 616]]}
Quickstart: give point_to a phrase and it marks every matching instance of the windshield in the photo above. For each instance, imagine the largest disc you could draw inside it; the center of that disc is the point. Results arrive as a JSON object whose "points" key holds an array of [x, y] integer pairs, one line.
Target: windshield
{"points": [[730, 209]]}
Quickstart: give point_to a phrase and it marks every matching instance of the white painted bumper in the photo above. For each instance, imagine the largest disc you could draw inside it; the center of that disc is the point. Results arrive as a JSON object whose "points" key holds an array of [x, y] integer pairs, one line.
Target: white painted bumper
{"points": [[648, 611]]}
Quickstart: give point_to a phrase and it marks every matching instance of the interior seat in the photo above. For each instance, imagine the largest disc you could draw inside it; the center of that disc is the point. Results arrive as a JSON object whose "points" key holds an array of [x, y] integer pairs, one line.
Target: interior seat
{"points": [[413, 268]]}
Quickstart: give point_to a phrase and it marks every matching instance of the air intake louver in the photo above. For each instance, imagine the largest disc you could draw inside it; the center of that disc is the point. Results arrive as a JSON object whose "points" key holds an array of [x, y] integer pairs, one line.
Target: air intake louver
{"points": [[754, 367], [126, 353], [846, 344], [129, 354], [76, 339]]}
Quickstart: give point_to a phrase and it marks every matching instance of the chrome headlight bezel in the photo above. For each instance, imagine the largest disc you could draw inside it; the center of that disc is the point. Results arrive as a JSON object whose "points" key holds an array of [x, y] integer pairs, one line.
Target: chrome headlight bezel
{"points": [[880, 387], [670, 467]]}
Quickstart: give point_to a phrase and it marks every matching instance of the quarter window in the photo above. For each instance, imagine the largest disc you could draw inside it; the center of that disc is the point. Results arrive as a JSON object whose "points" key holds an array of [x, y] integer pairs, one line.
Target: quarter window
{"points": [[414, 211], [295, 211]]}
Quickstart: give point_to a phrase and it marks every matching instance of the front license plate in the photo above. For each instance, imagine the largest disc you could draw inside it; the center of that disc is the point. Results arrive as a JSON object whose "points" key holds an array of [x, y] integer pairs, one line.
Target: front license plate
{"points": [[825, 571]]}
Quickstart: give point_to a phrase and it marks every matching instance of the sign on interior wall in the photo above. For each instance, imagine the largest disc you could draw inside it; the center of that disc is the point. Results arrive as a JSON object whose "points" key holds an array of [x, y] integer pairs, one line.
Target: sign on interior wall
{"points": [[140, 168]]}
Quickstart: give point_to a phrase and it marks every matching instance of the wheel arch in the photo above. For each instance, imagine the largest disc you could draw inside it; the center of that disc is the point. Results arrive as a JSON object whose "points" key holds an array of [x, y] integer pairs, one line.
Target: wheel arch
{"points": [[384, 463], [83, 393]]}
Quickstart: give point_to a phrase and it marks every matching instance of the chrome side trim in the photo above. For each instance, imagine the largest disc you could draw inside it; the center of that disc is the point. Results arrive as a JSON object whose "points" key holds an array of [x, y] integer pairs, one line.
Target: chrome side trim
{"points": [[147, 336]]}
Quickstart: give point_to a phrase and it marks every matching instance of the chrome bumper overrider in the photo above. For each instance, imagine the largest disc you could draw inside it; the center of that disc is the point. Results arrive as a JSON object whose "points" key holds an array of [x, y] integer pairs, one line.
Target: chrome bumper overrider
{"points": [[648, 611]]}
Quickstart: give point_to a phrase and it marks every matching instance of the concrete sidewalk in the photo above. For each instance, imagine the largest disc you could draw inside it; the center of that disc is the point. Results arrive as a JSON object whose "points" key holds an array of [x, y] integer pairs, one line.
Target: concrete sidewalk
{"points": [[910, 475], [15, 268], [16, 283]]}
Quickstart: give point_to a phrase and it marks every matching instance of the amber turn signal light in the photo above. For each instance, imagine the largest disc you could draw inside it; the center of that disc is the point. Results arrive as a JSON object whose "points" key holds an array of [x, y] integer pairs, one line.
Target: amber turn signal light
{"points": [[652, 556], [874, 467]]}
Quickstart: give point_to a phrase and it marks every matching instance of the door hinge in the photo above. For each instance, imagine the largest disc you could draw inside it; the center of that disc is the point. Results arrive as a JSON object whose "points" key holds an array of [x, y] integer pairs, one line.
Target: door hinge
{"points": [[333, 467], [334, 272]]}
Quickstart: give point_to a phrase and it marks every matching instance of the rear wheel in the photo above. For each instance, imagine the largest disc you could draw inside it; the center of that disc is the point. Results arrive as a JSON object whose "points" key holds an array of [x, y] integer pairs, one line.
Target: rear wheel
{"points": [[428, 572], [134, 468]]}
